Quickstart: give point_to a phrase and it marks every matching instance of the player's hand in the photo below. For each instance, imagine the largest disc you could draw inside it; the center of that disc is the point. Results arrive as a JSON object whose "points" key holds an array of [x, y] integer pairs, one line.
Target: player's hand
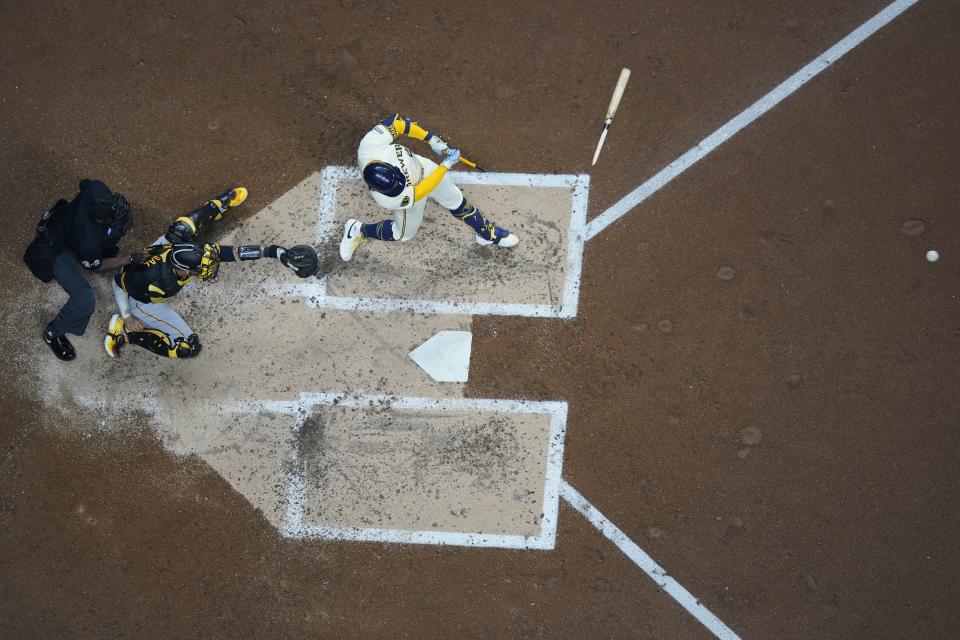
{"points": [[450, 158], [132, 323], [139, 257], [437, 143]]}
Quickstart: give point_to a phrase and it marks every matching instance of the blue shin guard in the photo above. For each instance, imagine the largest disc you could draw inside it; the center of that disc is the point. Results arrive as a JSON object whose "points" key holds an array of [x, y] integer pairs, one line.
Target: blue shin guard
{"points": [[471, 216]]}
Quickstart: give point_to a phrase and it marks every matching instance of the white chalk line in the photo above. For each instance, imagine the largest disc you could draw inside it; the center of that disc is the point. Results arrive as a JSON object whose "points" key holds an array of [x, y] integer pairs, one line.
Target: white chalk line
{"points": [[640, 558], [576, 238], [344, 172], [294, 525], [553, 474], [314, 293], [754, 111], [307, 400], [644, 191]]}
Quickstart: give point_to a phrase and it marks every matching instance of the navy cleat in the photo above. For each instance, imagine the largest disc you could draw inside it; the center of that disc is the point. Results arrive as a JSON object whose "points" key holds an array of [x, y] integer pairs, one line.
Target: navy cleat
{"points": [[493, 234]]}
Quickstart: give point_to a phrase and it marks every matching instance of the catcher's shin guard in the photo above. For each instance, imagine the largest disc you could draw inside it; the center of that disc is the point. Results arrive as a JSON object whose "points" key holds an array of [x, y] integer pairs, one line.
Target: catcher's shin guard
{"points": [[191, 226], [189, 348], [159, 343]]}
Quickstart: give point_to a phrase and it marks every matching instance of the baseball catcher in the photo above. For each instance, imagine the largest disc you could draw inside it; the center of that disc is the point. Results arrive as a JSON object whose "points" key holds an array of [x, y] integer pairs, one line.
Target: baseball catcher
{"points": [[141, 290], [402, 181]]}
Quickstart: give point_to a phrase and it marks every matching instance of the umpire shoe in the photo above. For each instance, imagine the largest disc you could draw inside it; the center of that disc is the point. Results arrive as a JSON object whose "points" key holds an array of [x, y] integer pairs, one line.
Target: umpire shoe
{"points": [[232, 198], [59, 344], [116, 338], [499, 237], [352, 238]]}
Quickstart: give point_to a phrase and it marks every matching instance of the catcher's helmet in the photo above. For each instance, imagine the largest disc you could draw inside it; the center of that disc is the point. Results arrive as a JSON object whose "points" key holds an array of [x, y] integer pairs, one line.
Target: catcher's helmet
{"points": [[384, 178], [202, 260], [114, 210]]}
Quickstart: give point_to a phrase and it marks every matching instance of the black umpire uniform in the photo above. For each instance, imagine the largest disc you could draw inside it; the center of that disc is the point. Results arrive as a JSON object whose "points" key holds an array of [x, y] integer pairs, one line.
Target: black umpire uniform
{"points": [[83, 232]]}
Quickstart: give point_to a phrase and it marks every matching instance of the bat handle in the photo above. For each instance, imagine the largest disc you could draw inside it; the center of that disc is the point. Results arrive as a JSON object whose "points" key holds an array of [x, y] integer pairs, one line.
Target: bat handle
{"points": [[471, 164]]}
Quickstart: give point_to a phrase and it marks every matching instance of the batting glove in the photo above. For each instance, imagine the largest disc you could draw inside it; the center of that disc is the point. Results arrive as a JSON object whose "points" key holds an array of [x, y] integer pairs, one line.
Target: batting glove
{"points": [[450, 158], [437, 143]]}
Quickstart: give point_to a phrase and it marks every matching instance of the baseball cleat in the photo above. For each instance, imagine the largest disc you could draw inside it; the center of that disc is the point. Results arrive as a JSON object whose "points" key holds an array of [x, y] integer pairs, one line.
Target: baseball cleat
{"points": [[232, 198], [352, 238], [501, 238], [116, 338], [59, 344]]}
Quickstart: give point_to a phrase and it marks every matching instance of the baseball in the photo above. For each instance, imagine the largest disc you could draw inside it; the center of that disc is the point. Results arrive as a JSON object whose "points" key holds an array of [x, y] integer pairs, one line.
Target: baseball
{"points": [[932, 256]]}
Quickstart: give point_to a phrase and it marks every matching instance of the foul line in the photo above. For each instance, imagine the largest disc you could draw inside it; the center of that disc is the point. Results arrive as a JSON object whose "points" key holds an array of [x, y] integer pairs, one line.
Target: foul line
{"points": [[639, 557], [757, 109]]}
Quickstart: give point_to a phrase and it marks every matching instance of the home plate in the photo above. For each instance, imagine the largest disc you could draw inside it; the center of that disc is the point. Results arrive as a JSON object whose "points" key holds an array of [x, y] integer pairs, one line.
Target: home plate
{"points": [[445, 356]]}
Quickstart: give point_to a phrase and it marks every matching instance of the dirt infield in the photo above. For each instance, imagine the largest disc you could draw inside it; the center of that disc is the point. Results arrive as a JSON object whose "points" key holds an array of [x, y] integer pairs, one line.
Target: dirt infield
{"points": [[760, 377]]}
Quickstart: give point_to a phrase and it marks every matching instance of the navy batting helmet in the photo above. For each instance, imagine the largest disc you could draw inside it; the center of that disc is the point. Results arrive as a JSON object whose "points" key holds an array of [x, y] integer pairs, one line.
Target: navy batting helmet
{"points": [[384, 178]]}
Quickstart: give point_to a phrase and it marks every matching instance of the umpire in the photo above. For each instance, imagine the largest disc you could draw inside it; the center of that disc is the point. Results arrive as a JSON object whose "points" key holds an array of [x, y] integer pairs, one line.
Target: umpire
{"points": [[83, 232]]}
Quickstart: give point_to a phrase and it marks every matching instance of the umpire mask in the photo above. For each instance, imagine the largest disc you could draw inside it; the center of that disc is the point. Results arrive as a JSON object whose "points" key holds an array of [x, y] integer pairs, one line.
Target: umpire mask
{"points": [[113, 210]]}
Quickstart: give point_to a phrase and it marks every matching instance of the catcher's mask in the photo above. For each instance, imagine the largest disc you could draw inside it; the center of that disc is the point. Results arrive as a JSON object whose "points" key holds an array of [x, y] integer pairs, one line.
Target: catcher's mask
{"points": [[384, 178], [201, 260], [113, 210]]}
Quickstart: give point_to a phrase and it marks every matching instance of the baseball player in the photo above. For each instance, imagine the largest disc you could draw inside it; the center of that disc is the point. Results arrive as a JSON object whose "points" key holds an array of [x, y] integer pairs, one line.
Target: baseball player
{"points": [[141, 290], [402, 181]]}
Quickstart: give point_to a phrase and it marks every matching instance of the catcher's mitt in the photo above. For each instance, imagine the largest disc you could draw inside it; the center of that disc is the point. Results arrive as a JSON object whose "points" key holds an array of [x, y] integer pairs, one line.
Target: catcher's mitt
{"points": [[302, 259]]}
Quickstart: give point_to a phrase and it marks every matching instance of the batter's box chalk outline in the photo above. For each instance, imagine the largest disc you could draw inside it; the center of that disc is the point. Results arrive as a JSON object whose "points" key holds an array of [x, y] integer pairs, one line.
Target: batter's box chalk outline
{"points": [[315, 292], [293, 525]]}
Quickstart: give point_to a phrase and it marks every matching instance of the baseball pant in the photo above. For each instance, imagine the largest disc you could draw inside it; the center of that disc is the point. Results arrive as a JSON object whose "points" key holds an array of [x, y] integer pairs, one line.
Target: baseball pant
{"points": [[406, 222], [161, 317], [75, 314]]}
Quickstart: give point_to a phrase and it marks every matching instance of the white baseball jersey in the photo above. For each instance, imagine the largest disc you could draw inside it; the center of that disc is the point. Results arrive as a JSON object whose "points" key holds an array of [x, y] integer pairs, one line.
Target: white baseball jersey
{"points": [[378, 146]]}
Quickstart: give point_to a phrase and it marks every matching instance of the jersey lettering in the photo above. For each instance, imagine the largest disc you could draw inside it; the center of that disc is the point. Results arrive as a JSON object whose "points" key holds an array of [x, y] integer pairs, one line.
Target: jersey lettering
{"points": [[401, 163]]}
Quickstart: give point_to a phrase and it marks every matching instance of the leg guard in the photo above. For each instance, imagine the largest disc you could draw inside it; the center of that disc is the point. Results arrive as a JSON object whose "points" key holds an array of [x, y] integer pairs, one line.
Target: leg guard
{"points": [[159, 343], [487, 232], [189, 348], [383, 230], [471, 216], [191, 226]]}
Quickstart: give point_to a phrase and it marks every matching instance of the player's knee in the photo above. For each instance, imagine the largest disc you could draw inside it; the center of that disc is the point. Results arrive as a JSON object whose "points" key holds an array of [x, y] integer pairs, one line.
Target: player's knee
{"points": [[189, 348], [460, 207], [179, 231], [403, 235]]}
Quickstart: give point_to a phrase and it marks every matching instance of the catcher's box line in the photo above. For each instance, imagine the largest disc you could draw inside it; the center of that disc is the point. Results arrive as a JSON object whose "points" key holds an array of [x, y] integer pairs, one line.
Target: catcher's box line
{"points": [[316, 292], [294, 526], [751, 113]]}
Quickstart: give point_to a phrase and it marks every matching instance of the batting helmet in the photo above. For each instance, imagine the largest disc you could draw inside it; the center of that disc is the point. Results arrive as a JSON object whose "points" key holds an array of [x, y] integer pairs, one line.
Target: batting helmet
{"points": [[384, 178], [202, 260]]}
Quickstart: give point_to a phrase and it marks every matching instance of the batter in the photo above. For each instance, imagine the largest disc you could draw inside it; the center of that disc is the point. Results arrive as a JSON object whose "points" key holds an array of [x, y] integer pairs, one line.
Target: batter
{"points": [[402, 181]]}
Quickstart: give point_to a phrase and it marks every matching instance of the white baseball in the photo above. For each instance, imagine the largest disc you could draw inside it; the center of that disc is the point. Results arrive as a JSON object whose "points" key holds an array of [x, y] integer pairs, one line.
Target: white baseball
{"points": [[932, 256]]}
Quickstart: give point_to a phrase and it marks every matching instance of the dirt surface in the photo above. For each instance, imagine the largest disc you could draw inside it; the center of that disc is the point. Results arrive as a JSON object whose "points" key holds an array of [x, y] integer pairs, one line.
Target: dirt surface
{"points": [[762, 374]]}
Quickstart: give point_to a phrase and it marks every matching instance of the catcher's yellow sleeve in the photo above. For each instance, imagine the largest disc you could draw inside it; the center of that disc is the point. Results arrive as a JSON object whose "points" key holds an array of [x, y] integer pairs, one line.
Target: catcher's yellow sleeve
{"points": [[429, 183]]}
